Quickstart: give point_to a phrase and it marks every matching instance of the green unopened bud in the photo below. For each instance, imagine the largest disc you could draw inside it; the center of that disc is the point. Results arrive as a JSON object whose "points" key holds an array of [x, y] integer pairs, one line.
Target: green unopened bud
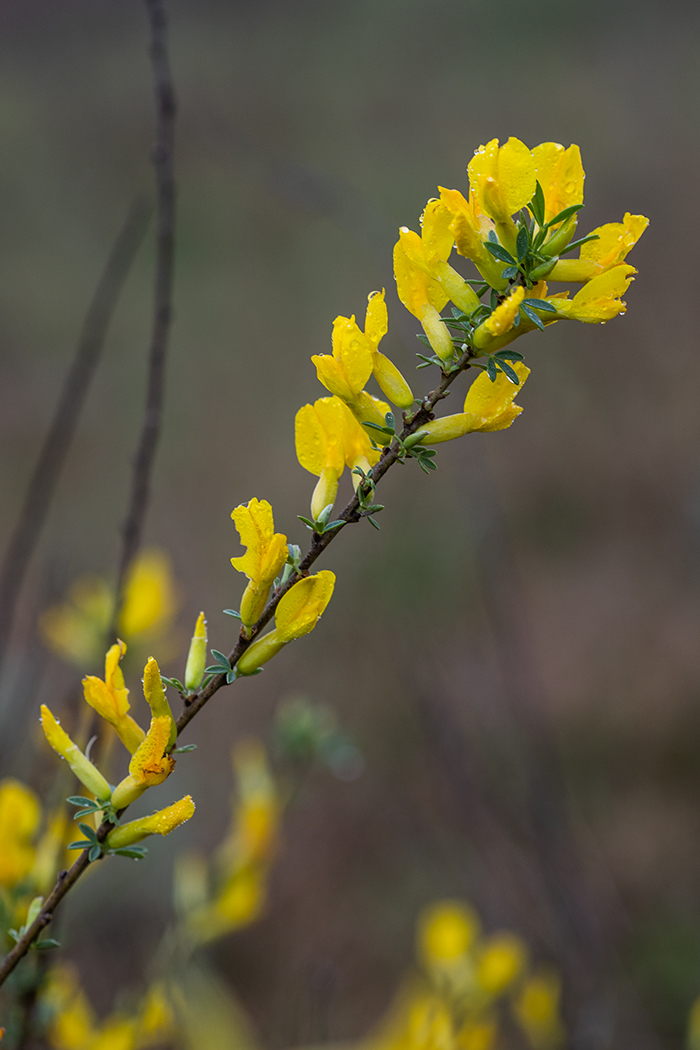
{"points": [[262, 650], [197, 656], [542, 270], [560, 238]]}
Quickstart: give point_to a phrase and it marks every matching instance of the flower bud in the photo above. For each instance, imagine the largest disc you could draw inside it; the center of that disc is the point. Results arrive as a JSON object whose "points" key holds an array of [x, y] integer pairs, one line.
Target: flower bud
{"points": [[391, 381], [197, 656], [160, 823], [325, 492], [87, 774]]}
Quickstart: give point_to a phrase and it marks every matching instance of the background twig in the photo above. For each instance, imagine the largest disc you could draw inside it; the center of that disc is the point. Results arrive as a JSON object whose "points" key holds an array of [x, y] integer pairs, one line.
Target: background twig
{"points": [[25, 537], [162, 314]]}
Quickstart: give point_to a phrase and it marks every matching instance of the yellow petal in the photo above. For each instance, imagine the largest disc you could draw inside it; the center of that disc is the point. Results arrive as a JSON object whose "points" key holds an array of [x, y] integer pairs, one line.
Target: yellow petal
{"points": [[599, 300], [503, 179], [310, 439], [376, 318], [20, 813], [615, 240], [299, 610], [353, 353], [437, 237], [330, 373], [155, 696], [446, 932], [325, 492], [560, 174], [487, 401], [502, 318], [356, 443], [391, 381], [414, 287], [369, 409]]}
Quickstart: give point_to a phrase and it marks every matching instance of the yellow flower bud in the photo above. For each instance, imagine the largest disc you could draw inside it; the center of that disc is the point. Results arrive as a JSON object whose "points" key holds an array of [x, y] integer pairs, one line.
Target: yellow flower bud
{"points": [[391, 381], [160, 823], [446, 932], [197, 656], [110, 698], [83, 768]]}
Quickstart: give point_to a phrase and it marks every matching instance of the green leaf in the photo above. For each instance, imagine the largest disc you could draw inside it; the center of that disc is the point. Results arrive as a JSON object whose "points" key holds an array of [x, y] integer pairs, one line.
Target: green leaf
{"points": [[522, 243], [529, 312], [85, 812], [95, 853], [218, 669], [494, 301], [222, 658], [184, 749], [562, 216], [424, 340], [81, 800], [48, 942], [509, 373], [491, 369], [307, 521], [231, 676], [579, 242], [536, 205], [499, 252], [83, 844], [133, 852], [334, 524], [371, 520], [232, 612], [375, 426], [540, 304], [509, 272], [88, 832], [509, 355]]}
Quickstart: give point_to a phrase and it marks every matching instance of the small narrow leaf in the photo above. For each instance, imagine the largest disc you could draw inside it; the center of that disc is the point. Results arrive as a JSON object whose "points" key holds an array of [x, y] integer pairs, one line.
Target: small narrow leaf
{"points": [[491, 369], [509, 373], [579, 242], [529, 312], [499, 252], [540, 304], [221, 657], [562, 216], [522, 243], [95, 853], [232, 612]]}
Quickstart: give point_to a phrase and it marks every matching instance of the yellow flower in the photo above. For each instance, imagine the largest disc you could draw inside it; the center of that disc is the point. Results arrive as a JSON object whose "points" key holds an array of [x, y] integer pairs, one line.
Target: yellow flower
{"points": [[599, 300], [501, 960], [328, 438], [110, 698], [264, 559], [197, 655], [537, 1010], [692, 1041], [503, 178], [478, 1034], [446, 932], [296, 615], [20, 813], [488, 406], [424, 280], [85, 771], [160, 823], [470, 228], [501, 320], [560, 173], [150, 764], [615, 241]]}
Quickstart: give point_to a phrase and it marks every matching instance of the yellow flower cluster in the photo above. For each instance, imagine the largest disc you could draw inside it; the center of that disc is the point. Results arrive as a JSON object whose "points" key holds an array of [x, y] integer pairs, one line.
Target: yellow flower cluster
{"points": [[467, 983], [151, 760]]}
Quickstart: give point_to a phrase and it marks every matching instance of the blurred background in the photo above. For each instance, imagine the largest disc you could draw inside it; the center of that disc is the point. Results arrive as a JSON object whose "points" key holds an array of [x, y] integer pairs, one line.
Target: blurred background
{"points": [[515, 655]]}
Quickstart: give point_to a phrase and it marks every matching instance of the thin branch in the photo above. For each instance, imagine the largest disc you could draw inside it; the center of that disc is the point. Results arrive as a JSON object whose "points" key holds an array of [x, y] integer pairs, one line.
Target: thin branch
{"points": [[162, 309], [63, 426], [350, 514]]}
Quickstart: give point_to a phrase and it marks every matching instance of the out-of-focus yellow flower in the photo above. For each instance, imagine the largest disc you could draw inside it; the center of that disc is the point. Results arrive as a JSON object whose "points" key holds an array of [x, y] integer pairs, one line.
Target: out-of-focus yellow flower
{"points": [[356, 356], [150, 600], [264, 559], [488, 406], [615, 241], [328, 438], [537, 1010], [160, 823], [446, 932], [425, 281], [478, 1033], [504, 180], [560, 173], [501, 320], [197, 655], [150, 764], [49, 849], [501, 959], [76, 628], [88, 774], [20, 813], [599, 300], [110, 698], [73, 1025], [296, 615]]}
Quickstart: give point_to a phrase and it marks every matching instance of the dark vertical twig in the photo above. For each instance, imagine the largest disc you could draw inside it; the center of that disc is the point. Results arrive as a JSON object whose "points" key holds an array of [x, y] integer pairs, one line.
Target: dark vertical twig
{"points": [[162, 312], [58, 440]]}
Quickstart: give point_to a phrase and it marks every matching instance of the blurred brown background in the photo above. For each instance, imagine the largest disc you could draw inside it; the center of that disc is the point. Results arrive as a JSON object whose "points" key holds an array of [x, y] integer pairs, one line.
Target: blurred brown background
{"points": [[516, 652]]}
